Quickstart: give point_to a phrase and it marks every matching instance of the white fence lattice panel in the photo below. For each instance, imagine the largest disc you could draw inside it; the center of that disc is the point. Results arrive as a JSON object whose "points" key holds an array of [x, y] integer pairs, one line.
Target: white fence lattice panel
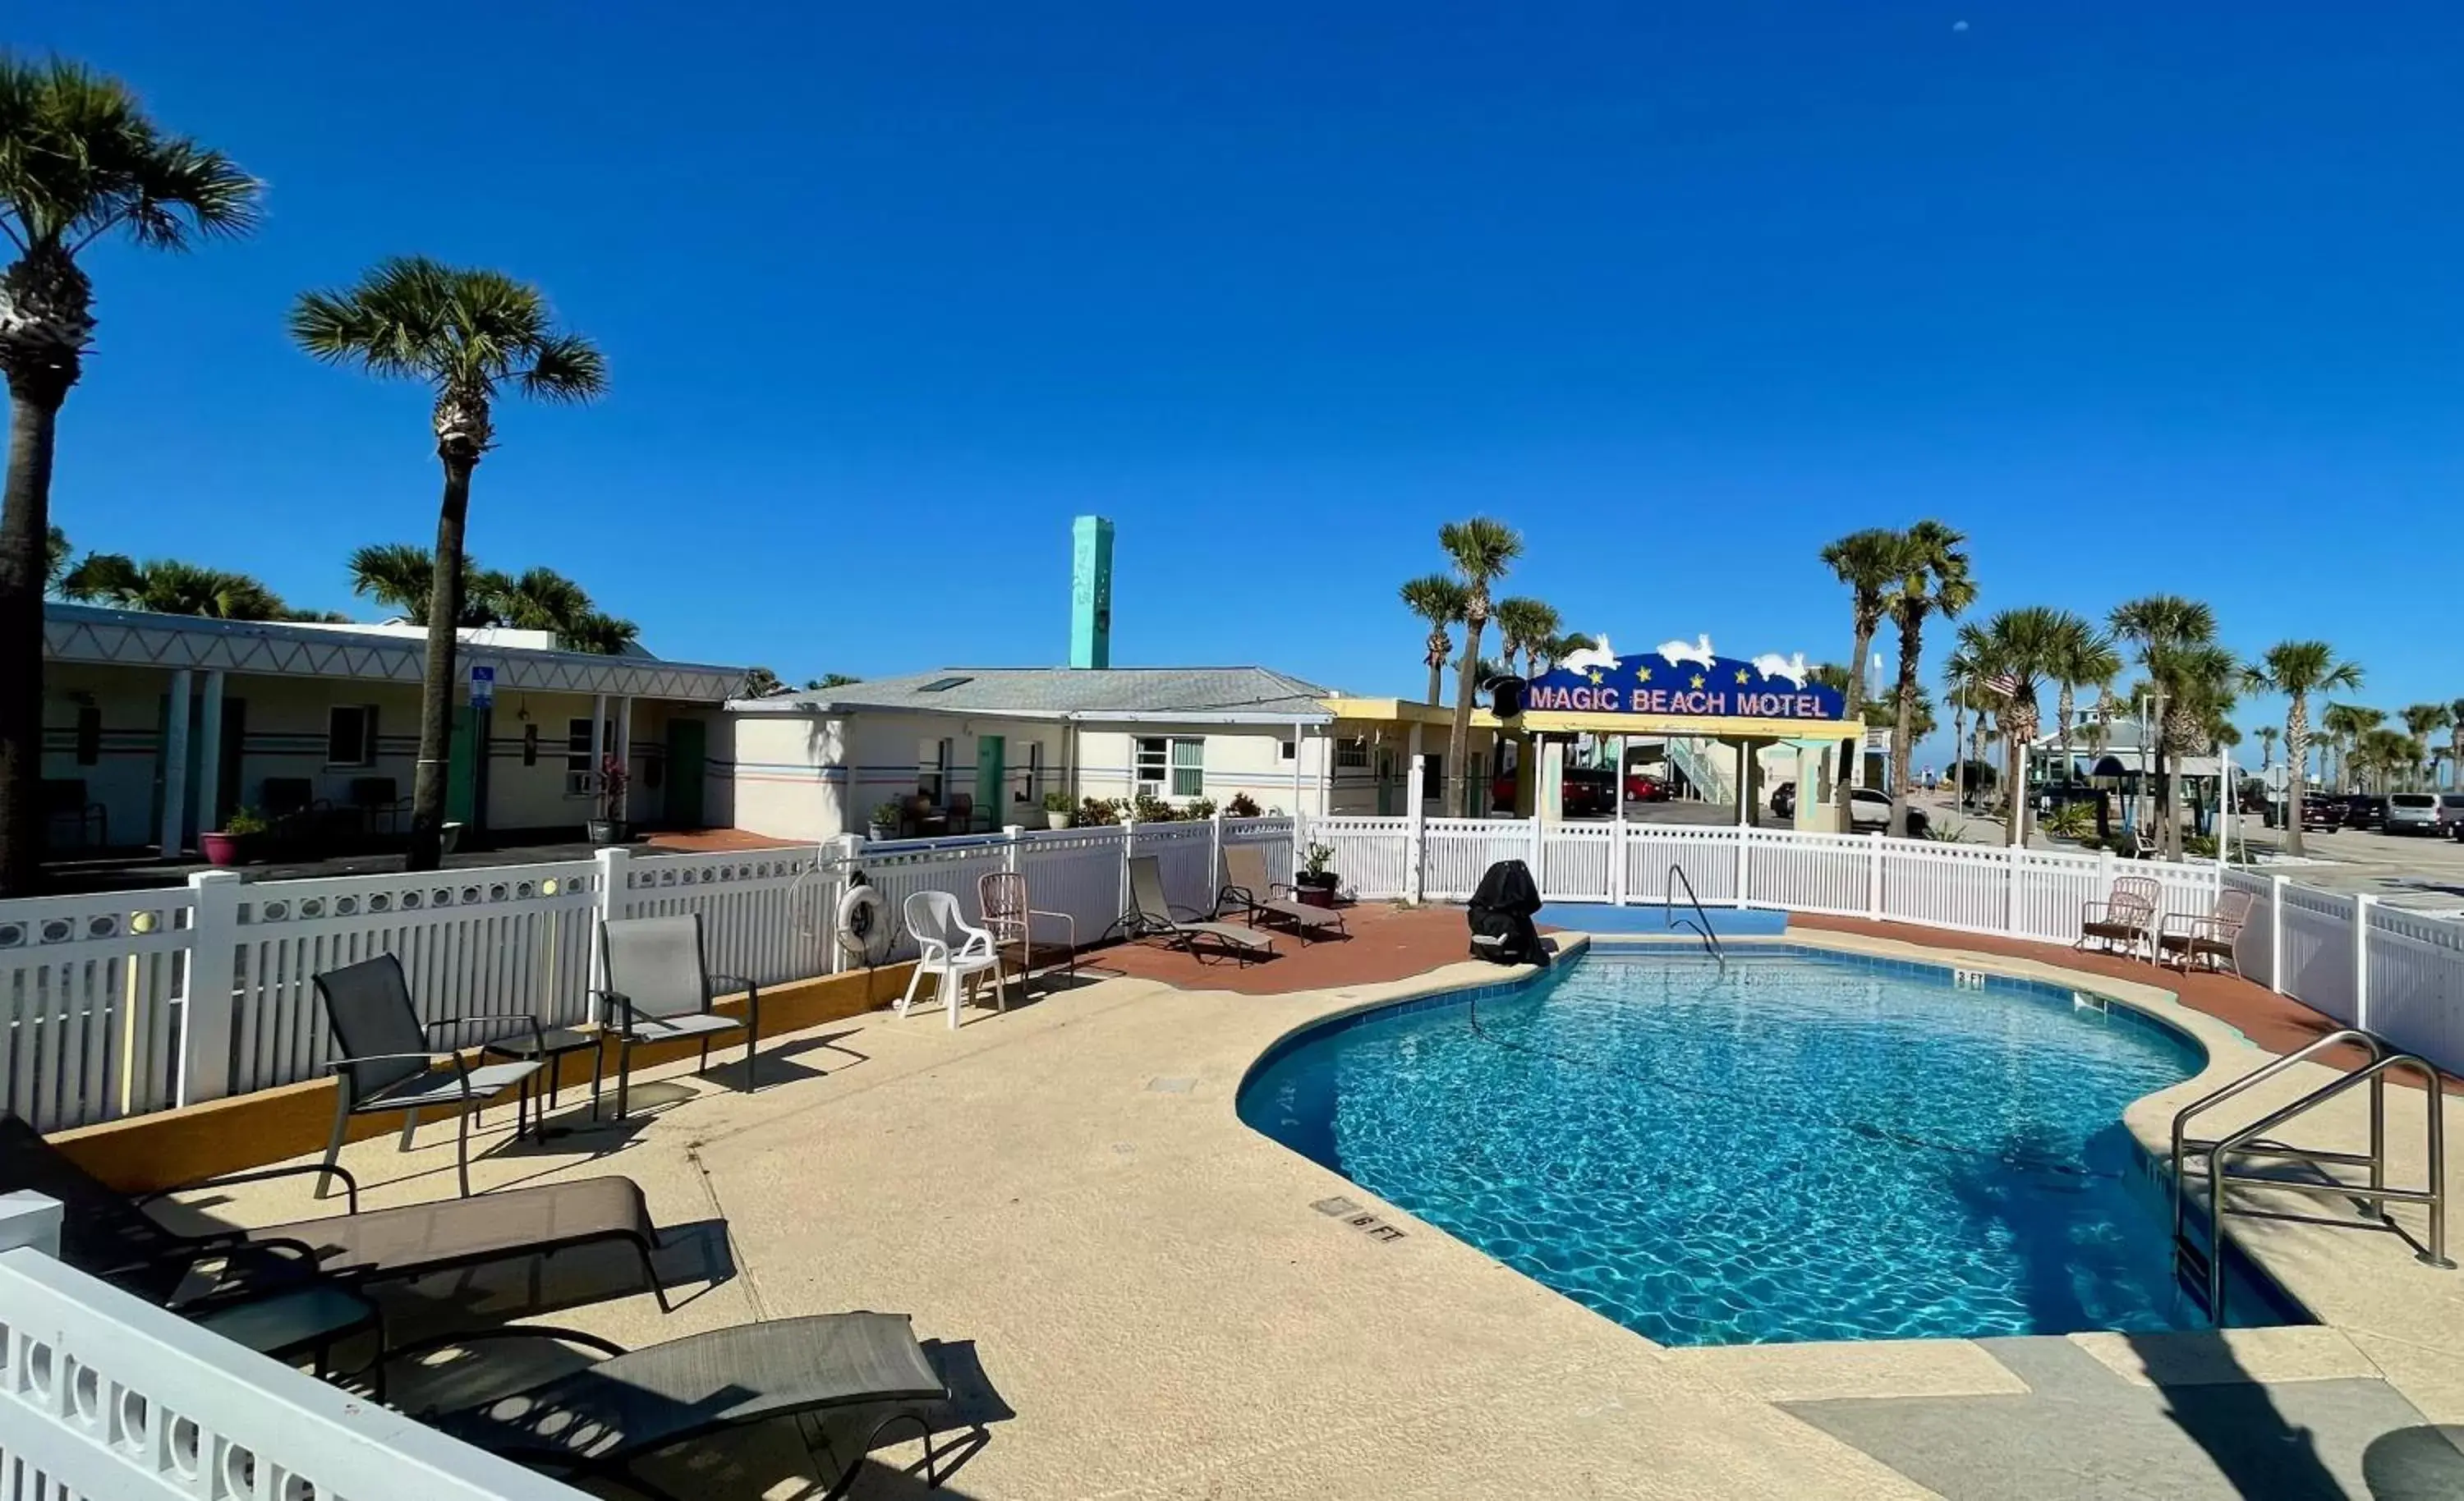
{"points": [[1809, 872], [1460, 849], [2319, 951], [1574, 861], [2417, 983], [1373, 865], [1077, 872], [765, 914], [90, 991], [1707, 858]]}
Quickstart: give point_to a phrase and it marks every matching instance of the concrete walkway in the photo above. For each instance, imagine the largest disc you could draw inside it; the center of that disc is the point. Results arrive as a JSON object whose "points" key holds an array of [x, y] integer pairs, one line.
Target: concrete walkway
{"points": [[1136, 1296]]}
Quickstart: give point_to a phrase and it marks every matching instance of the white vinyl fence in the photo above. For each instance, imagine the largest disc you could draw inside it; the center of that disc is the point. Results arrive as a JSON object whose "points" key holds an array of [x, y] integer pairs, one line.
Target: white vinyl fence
{"points": [[111, 1006]]}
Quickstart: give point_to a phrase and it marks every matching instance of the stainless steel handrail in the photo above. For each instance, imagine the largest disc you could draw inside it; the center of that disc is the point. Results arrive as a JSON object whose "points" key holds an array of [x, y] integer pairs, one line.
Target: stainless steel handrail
{"points": [[1711, 944], [2250, 1142]]}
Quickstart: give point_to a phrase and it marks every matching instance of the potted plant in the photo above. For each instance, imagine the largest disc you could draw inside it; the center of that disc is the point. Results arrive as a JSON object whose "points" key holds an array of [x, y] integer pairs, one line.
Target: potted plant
{"points": [[883, 825], [1315, 884], [236, 841], [1056, 809], [609, 827]]}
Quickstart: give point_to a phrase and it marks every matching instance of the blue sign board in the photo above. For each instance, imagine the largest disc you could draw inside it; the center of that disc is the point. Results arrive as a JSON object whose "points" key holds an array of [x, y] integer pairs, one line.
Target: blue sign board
{"points": [[1684, 678], [483, 686]]}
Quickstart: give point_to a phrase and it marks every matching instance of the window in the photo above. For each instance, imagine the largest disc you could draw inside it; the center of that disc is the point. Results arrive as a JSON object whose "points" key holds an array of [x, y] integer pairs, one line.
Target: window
{"points": [[351, 735], [933, 759], [1188, 767], [580, 773], [1292, 747], [89, 734], [1433, 776], [1351, 751], [1153, 758], [1034, 773], [943, 685]]}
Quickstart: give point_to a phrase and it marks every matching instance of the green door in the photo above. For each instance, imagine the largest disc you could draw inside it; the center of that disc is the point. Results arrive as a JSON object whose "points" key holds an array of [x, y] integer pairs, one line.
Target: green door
{"points": [[462, 804], [989, 776], [687, 751], [1390, 791]]}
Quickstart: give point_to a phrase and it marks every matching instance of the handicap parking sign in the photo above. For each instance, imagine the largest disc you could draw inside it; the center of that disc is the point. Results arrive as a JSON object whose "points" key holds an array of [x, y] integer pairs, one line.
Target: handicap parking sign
{"points": [[483, 686]]}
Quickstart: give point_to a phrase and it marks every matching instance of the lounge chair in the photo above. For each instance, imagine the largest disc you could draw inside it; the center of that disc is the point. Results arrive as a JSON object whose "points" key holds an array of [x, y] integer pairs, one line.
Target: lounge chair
{"points": [[659, 991], [599, 1420], [109, 1234], [378, 799], [949, 951], [1010, 913], [389, 1059], [2206, 941], [65, 801], [1247, 884], [1151, 916], [2125, 923]]}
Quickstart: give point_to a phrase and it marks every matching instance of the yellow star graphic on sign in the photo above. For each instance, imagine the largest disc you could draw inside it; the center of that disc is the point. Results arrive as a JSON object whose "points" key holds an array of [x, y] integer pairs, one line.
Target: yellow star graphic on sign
{"points": [[1741, 674], [1595, 676], [1642, 674], [1697, 680]]}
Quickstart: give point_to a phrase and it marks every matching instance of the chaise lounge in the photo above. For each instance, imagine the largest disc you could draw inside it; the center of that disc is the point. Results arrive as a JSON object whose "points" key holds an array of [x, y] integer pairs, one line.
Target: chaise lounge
{"points": [[1151, 916]]}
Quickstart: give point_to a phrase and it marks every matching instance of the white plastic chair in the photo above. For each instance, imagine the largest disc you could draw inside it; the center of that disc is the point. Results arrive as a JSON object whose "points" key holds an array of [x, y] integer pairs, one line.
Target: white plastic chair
{"points": [[951, 950]]}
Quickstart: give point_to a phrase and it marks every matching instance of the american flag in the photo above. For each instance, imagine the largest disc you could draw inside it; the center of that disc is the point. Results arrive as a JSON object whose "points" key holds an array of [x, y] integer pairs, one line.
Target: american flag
{"points": [[2004, 686]]}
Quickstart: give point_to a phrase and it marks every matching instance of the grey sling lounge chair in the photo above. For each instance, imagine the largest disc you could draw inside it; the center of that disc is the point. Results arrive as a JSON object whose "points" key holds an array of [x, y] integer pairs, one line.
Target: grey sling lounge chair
{"points": [[599, 1420], [659, 991], [390, 1061], [1151, 915], [109, 1234], [1247, 884]]}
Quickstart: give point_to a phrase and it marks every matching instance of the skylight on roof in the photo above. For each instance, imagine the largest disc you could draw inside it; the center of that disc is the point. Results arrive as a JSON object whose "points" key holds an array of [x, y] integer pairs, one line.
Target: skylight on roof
{"points": [[942, 685]]}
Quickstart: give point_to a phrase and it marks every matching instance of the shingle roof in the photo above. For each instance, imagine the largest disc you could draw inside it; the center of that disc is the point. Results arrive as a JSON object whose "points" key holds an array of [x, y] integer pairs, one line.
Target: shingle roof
{"points": [[1052, 692]]}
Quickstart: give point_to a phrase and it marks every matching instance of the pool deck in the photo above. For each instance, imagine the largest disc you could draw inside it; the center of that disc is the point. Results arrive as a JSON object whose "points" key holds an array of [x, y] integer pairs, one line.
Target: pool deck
{"points": [[1136, 1296]]}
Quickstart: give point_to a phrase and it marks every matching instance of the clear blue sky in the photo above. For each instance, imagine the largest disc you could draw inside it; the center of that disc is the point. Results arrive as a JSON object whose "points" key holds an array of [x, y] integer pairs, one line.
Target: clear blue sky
{"points": [[2142, 296]]}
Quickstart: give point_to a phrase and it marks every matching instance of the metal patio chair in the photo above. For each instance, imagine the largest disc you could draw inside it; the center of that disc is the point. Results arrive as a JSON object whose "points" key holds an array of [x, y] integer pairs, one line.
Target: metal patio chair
{"points": [[2207, 941], [1151, 915], [1248, 885], [2125, 923], [392, 1062], [1009, 914], [657, 991]]}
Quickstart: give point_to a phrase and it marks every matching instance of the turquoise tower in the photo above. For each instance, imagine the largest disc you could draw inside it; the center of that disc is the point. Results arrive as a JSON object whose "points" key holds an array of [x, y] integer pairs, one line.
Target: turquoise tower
{"points": [[1091, 593]]}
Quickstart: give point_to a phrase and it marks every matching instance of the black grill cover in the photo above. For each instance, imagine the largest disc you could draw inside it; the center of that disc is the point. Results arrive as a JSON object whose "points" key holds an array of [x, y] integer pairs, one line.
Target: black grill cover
{"points": [[1500, 916]]}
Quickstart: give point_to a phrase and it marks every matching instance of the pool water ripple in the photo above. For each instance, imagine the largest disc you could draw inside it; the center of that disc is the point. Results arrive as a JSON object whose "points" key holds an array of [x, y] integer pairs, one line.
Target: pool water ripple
{"points": [[1807, 1147]]}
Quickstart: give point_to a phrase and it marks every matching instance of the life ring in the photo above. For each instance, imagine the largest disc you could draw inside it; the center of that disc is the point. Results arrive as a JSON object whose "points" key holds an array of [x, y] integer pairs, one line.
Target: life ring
{"points": [[864, 925]]}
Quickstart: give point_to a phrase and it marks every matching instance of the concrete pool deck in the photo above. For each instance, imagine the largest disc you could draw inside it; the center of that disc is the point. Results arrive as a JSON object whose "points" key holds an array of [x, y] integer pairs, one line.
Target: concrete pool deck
{"points": [[1138, 1296]]}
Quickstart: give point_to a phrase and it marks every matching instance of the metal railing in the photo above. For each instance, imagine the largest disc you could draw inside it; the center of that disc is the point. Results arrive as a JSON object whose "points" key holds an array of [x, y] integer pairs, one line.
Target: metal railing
{"points": [[1712, 946], [2251, 1140]]}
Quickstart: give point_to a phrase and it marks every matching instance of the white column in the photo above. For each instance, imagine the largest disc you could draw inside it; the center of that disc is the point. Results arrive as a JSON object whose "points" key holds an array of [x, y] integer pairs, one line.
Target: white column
{"points": [[1416, 841], [1412, 751], [598, 748], [1616, 830], [1300, 747], [209, 755], [2361, 905], [213, 969], [624, 749], [175, 767], [2275, 935]]}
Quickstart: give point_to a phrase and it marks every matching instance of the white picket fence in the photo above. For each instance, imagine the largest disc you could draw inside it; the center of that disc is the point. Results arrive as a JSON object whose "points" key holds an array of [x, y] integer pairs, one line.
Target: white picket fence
{"points": [[100, 1017], [2365, 964]]}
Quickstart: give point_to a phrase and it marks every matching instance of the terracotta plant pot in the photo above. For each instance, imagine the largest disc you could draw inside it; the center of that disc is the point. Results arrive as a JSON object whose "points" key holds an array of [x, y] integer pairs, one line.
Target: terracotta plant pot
{"points": [[223, 849]]}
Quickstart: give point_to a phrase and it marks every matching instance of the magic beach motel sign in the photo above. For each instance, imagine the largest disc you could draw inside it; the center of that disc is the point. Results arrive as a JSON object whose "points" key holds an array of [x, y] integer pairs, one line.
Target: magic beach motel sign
{"points": [[1682, 685]]}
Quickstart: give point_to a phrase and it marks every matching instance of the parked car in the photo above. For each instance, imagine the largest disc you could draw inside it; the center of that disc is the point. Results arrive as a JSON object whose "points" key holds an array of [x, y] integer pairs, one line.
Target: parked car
{"points": [[1588, 792], [2412, 812], [2450, 814], [2323, 813], [1784, 799], [1869, 812], [2363, 811], [1643, 789]]}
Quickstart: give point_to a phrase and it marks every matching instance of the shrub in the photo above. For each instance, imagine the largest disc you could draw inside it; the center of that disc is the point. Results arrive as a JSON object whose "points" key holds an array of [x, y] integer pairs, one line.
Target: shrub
{"points": [[1151, 809], [2069, 822], [1199, 811], [1056, 802], [1242, 806], [244, 820], [886, 817], [1097, 813], [2201, 845]]}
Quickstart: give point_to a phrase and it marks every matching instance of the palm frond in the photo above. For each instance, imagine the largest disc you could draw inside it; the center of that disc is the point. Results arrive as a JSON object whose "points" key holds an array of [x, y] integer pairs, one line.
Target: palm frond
{"points": [[79, 159]]}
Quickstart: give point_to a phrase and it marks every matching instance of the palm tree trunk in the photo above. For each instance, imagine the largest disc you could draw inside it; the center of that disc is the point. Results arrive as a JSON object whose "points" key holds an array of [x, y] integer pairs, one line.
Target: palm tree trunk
{"points": [[1851, 751], [2019, 733], [437, 691], [2296, 748], [1911, 649], [24, 527], [2064, 708], [1437, 682], [1459, 740]]}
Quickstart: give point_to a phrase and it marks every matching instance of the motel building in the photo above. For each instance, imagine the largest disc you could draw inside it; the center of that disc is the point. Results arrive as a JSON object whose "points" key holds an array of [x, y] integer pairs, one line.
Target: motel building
{"points": [[159, 726]]}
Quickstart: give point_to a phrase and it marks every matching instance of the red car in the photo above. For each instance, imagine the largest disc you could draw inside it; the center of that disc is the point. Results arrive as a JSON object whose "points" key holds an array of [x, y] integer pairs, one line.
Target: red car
{"points": [[1641, 789]]}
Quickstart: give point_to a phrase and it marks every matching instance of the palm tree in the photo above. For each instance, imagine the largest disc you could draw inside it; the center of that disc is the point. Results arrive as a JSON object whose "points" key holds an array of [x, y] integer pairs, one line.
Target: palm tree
{"points": [[1526, 627], [1439, 600], [1867, 562], [2421, 721], [2164, 627], [55, 559], [467, 334], [1959, 683], [167, 586], [2455, 743], [2082, 657], [2349, 722], [2268, 736], [79, 161], [2380, 754], [1480, 549], [1930, 579], [1558, 648], [402, 576], [2298, 669], [2014, 652]]}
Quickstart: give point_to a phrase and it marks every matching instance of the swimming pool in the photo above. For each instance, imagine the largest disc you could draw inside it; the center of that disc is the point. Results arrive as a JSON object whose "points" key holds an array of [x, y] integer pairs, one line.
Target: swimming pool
{"points": [[1810, 1145]]}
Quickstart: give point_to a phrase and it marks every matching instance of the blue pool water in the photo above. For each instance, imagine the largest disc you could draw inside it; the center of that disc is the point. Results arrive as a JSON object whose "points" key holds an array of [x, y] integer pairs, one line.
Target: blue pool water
{"points": [[1810, 1146]]}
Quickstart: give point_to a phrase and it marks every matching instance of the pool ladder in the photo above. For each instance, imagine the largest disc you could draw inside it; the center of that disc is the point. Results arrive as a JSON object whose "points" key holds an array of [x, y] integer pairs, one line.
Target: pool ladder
{"points": [[1668, 907], [2211, 1161]]}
